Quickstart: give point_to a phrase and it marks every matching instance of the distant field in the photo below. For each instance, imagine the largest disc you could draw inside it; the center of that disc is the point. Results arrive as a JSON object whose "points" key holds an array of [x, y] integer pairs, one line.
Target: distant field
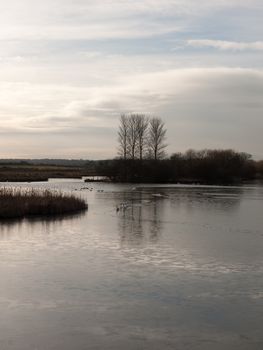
{"points": [[19, 173]]}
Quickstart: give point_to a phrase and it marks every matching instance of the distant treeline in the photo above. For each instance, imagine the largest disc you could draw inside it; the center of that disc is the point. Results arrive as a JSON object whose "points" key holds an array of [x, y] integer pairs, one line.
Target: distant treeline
{"points": [[46, 161], [204, 167]]}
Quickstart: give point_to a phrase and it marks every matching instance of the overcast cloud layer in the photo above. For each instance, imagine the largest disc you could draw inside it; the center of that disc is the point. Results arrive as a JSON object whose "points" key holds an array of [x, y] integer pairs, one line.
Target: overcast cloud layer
{"points": [[68, 69]]}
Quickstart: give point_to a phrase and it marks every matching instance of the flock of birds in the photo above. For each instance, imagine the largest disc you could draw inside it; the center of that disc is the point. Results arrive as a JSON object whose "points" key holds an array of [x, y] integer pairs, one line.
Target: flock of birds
{"points": [[122, 207], [89, 189]]}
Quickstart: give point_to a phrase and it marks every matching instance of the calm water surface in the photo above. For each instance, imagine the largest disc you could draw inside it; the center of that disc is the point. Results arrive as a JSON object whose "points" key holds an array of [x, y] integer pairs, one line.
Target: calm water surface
{"points": [[176, 268]]}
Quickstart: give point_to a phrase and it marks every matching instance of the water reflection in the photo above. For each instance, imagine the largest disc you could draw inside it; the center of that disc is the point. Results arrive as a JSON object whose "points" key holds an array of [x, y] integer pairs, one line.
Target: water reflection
{"points": [[208, 199], [143, 213], [7, 227], [189, 267], [139, 221], [46, 224], [156, 223]]}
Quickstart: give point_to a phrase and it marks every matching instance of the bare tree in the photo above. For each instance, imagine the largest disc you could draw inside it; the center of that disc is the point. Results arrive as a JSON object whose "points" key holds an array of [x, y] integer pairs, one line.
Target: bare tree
{"points": [[137, 132], [123, 136], [132, 138], [156, 138], [142, 123]]}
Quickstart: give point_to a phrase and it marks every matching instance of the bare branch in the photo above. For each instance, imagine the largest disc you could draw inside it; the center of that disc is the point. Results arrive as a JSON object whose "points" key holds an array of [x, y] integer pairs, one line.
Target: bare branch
{"points": [[156, 138], [123, 136]]}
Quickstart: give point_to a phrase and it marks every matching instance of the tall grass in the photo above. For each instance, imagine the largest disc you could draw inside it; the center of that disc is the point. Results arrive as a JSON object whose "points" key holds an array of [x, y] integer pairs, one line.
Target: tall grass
{"points": [[19, 202]]}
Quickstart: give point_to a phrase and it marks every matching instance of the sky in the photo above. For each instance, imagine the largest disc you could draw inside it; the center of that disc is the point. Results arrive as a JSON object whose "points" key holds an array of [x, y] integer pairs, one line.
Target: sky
{"points": [[69, 68]]}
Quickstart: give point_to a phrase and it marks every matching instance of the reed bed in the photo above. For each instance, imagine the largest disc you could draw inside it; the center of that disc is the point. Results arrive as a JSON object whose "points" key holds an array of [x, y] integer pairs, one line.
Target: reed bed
{"points": [[21, 202]]}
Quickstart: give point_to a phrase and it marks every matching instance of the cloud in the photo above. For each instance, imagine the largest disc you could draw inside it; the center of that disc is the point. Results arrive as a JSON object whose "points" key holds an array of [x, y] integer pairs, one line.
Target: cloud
{"points": [[106, 19], [226, 45], [121, 30], [202, 107], [69, 68]]}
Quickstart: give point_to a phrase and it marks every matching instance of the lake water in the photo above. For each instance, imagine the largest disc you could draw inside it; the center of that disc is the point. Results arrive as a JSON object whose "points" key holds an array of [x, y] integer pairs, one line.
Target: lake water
{"points": [[175, 268]]}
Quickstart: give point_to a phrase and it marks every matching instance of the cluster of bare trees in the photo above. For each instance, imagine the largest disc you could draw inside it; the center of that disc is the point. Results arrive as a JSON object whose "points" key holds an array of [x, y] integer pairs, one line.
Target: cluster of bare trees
{"points": [[141, 137]]}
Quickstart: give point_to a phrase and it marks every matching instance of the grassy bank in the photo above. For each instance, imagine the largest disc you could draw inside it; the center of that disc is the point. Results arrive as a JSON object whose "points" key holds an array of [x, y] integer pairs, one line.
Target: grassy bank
{"points": [[20, 203]]}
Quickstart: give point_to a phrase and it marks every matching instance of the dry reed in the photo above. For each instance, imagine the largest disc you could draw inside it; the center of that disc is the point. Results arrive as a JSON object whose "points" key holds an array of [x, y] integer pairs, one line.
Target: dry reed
{"points": [[21, 202]]}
